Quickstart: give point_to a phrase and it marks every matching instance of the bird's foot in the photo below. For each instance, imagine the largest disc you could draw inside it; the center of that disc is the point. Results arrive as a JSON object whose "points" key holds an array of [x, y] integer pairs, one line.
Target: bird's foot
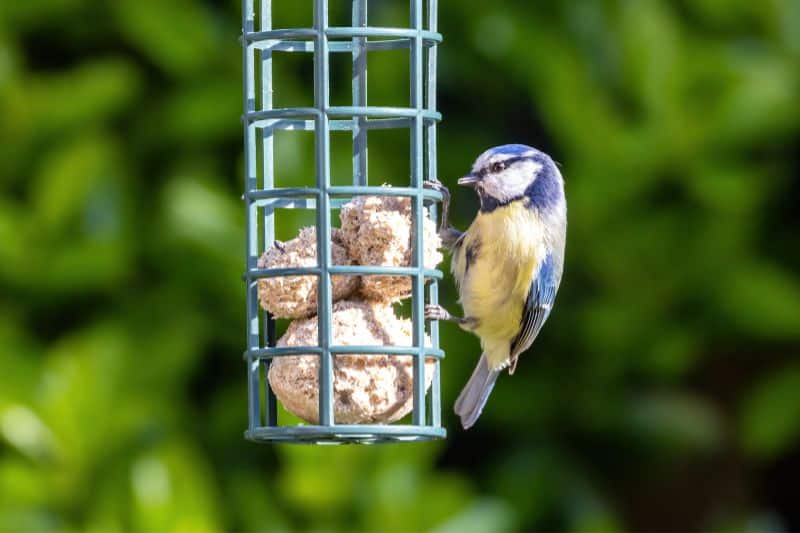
{"points": [[446, 231], [436, 185], [437, 312]]}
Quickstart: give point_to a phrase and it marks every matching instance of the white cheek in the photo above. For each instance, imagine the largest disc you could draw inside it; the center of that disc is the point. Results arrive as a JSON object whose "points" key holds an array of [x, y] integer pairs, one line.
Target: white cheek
{"points": [[511, 183], [516, 181], [492, 186]]}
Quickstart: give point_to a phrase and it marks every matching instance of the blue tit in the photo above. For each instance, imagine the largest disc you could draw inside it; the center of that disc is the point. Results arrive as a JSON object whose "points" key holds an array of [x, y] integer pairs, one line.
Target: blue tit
{"points": [[508, 264]]}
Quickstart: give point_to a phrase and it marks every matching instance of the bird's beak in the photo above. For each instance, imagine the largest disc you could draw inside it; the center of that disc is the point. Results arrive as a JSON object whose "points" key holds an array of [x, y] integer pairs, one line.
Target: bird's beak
{"points": [[470, 180]]}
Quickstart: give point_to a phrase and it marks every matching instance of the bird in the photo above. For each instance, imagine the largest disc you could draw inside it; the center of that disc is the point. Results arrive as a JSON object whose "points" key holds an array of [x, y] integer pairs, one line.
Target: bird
{"points": [[508, 264]]}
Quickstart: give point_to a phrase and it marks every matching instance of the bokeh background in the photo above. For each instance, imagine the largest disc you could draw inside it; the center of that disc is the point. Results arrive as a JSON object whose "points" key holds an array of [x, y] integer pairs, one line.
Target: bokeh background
{"points": [[664, 393]]}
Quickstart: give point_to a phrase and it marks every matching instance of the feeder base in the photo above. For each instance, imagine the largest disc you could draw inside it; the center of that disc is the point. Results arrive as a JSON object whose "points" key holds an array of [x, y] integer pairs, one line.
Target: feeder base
{"points": [[345, 434]]}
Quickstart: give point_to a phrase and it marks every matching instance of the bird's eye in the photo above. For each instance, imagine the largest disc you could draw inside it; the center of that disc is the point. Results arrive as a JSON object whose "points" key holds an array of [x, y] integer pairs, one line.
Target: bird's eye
{"points": [[498, 167]]}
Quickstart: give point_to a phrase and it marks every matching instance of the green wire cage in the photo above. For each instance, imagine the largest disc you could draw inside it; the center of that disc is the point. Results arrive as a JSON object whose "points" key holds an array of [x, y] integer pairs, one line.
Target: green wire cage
{"points": [[263, 196]]}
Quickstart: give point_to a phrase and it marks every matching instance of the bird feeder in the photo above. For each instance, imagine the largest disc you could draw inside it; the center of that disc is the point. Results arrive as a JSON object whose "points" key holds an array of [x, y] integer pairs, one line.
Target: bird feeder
{"points": [[263, 196]]}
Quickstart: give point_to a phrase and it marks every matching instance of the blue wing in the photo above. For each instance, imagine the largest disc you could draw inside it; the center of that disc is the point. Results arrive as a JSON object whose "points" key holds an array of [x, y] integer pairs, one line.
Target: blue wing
{"points": [[540, 300]]}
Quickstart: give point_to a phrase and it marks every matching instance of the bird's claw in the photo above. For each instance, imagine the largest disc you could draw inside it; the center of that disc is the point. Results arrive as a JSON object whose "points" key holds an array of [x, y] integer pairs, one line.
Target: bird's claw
{"points": [[436, 185], [436, 312]]}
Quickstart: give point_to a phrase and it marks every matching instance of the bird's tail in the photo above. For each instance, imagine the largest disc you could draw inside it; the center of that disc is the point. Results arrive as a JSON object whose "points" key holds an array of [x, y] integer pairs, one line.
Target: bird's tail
{"points": [[472, 399]]}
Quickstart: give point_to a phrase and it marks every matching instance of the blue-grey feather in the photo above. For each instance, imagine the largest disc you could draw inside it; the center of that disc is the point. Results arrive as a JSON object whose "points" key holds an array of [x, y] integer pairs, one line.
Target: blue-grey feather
{"points": [[473, 397], [538, 305], [546, 190], [513, 149]]}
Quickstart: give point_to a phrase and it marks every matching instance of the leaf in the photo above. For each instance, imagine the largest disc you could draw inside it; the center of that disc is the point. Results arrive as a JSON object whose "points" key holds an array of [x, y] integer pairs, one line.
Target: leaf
{"points": [[178, 36], [676, 419], [93, 90], [770, 414], [483, 515], [173, 490], [761, 299]]}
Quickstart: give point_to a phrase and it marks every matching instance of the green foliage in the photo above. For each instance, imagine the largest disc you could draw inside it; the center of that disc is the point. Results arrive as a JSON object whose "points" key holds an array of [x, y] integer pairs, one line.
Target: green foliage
{"points": [[664, 392], [770, 418]]}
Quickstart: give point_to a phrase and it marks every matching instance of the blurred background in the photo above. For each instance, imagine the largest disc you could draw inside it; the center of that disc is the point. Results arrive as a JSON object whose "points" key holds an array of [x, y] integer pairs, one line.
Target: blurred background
{"points": [[663, 394]]}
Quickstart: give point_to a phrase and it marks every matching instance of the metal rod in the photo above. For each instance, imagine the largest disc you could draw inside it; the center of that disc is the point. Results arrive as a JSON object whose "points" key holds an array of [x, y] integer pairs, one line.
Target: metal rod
{"points": [[268, 215], [282, 351], [288, 124], [288, 112], [303, 203], [286, 192], [254, 393], [362, 270], [288, 351], [364, 431], [360, 168], [380, 111], [322, 160], [345, 190], [252, 36], [433, 9], [268, 140], [335, 47], [418, 283], [343, 33], [269, 399], [432, 175], [384, 191], [378, 32], [251, 237], [262, 117]]}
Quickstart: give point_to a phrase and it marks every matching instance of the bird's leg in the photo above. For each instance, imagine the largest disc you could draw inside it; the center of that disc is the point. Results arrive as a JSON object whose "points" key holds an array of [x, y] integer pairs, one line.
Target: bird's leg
{"points": [[437, 312], [450, 237], [447, 233]]}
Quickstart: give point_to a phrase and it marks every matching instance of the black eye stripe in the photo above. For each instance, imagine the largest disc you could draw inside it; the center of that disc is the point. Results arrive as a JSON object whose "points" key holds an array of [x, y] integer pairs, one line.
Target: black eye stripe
{"points": [[504, 164]]}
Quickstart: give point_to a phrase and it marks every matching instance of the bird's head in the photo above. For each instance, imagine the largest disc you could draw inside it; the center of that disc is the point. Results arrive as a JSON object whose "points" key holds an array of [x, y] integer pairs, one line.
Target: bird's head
{"points": [[511, 172]]}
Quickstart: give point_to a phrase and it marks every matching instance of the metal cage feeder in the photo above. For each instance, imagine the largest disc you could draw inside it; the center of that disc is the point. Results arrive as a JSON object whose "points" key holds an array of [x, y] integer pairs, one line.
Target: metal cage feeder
{"points": [[262, 194]]}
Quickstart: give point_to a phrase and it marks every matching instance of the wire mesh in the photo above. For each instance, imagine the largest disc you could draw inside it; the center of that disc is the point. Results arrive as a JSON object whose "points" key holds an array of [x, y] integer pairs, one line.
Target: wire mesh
{"points": [[260, 125]]}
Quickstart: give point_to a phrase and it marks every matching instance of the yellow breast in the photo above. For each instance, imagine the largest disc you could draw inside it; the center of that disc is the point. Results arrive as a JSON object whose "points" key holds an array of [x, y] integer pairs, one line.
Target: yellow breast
{"points": [[494, 268]]}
